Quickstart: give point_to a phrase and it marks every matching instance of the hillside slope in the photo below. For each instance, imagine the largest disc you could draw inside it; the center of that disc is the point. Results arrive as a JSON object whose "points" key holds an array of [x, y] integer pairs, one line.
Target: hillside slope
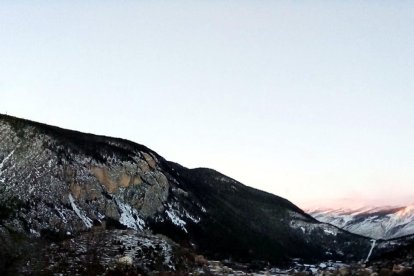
{"points": [[57, 184]]}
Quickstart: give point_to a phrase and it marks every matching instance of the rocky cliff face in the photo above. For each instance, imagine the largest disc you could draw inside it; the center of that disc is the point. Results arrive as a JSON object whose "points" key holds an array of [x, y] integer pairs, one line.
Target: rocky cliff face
{"points": [[57, 184], [58, 181]]}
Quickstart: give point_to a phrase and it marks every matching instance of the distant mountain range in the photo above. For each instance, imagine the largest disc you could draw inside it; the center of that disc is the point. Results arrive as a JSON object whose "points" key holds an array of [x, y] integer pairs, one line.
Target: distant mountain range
{"points": [[375, 222]]}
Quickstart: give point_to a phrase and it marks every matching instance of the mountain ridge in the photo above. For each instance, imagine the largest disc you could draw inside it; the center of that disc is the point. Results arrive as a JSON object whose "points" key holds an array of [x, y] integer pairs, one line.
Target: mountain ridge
{"points": [[59, 183], [379, 222]]}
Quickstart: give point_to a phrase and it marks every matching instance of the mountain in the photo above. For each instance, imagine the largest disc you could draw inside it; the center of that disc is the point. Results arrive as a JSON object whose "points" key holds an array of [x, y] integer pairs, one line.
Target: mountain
{"points": [[94, 202], [377, 222]]}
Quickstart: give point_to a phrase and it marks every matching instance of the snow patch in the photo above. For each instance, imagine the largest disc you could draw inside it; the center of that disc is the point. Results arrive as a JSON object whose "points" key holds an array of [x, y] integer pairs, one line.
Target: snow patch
{"points": [[370, 251], [175, 219], [4, 162], [61, 214], [34, 233], [100, 216], [87, 221], [330, 232], [313, 270], [307, 227], [5, 159], [192, 218], [129, 217]]}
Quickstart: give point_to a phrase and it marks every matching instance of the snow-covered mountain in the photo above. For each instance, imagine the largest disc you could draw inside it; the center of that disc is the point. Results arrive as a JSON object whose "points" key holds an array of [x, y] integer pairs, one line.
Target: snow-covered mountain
{"points": [[376, 222]]}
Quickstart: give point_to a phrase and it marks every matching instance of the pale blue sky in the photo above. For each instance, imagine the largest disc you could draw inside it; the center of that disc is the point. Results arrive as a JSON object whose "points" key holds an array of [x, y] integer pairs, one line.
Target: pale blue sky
{"points": [[310, 100]]}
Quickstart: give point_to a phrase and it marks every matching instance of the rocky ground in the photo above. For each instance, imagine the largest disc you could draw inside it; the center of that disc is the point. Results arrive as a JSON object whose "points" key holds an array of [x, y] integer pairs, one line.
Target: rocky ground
{"points": [[396, 267], [127, 252]]}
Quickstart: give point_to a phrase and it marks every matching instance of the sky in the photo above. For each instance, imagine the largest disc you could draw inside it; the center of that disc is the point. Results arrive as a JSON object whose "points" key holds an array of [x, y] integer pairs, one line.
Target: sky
{"points": [[309, 100]]}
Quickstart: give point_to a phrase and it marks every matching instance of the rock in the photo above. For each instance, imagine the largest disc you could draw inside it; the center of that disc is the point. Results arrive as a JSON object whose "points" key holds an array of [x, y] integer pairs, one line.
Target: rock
{"points": [[363, 272], [200, 260], [302, 273], [406, 272], [125, 260], [150, 160], [385, 272], [397, 268], [344, 271]]}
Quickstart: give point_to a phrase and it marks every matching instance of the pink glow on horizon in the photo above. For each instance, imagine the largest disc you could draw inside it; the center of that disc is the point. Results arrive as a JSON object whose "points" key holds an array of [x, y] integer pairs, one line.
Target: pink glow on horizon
{"points": [[406, 211]]}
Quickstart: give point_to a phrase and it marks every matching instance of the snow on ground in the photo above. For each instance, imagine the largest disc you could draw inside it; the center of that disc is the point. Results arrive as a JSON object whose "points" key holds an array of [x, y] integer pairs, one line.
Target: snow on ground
{"points": [[62, 214], [370, 251], [192, 218], [307, 227], [330, 232], [130, 217], [87, 221], [4, 162], [137, 245], [174, 216]]}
